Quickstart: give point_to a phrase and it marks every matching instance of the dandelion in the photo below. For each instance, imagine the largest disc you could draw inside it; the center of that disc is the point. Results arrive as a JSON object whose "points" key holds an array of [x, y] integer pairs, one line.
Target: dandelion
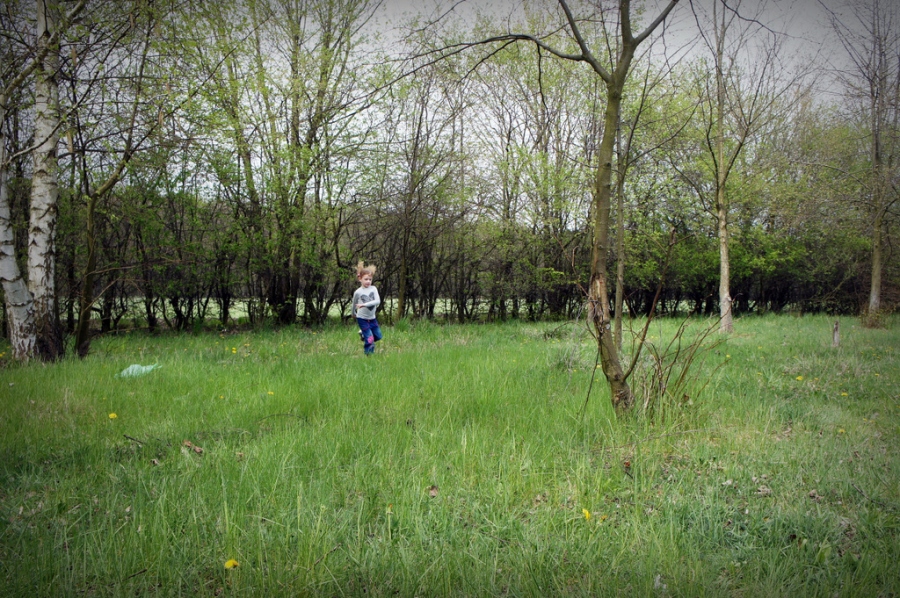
{"points": [[587, 514], [840, 430], [799, 378], [113, 416], [231, 564], [271, 393], [844, 394]]}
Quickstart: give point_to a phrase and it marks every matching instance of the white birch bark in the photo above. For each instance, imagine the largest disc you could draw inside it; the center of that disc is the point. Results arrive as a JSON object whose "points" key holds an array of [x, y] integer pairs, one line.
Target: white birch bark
{"points": [[19, 310], [45, 192], [19, 300]]}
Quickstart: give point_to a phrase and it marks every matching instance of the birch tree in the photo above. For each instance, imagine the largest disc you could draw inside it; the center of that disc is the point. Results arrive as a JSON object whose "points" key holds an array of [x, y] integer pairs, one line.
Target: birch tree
{"points": [[31, 303], [45, 189]]}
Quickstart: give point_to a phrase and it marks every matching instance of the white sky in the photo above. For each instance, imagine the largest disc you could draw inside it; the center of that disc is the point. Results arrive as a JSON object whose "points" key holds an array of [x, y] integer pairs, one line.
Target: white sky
{"points": [[804, 20]]}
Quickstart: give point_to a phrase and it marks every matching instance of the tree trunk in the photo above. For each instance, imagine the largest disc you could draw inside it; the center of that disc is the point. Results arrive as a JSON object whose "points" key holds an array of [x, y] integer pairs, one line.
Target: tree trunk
{"points": [[44, 196], [875, 289], [726, 320], [19, 306], [622, 398], [598, 293], [402, 283], [620, 241], [83, 331]]}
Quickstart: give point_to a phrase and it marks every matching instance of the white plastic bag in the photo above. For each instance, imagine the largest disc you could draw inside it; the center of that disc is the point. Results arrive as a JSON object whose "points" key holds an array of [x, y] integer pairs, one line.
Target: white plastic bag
{"points": [[135, 370]]}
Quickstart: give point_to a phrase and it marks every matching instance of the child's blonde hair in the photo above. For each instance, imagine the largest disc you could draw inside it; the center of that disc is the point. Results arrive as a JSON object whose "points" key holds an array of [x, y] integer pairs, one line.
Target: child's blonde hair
{"points": [[362, 269]]}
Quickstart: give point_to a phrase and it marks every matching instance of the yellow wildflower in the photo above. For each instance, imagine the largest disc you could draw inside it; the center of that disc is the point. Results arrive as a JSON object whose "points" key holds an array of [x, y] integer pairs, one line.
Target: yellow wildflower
{"points": [[800, 378], [231, 564], [587, 514], [113, 416]]}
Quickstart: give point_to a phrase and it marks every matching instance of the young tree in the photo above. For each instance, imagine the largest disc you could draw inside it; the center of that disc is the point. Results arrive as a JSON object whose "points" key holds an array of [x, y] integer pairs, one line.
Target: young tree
{"points": [[747, 88], [621, 44], [871, 41]]}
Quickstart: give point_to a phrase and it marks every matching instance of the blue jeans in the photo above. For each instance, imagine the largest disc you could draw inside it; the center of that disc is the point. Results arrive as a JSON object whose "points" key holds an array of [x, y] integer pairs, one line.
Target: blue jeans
{"points": [[370, 332]]}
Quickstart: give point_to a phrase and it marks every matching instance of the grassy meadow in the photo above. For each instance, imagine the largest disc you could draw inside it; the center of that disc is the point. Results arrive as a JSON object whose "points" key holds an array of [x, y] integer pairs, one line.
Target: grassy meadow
{"points": [[458, 460]]}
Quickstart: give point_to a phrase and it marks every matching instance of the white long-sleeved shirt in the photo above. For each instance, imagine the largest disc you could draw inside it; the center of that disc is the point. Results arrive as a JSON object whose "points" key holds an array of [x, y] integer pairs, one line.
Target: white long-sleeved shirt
{"points": [[370, 300]]}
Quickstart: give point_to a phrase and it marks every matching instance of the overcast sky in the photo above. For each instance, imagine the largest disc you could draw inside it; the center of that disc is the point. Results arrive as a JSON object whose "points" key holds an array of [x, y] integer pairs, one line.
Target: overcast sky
{"points": [[804, 20]]}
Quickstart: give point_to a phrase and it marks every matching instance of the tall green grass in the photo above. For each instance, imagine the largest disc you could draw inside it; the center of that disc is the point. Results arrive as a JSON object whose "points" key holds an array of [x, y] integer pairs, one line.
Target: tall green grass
{"points": [[459, 460]]}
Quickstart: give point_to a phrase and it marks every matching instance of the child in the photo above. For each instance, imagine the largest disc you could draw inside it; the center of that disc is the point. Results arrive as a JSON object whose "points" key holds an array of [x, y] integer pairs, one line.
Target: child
{"points": [[365, 302]]}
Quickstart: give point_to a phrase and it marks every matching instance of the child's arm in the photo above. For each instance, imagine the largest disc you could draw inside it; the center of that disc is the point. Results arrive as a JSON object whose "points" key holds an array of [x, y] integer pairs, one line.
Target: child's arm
{"points": [[375, 302]]}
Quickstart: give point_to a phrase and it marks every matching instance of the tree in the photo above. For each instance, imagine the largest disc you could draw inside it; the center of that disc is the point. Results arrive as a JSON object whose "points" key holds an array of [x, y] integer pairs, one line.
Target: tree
{"points": [[31, 305], [622, 45], [121, 127], [871, 41], [747, 88]]}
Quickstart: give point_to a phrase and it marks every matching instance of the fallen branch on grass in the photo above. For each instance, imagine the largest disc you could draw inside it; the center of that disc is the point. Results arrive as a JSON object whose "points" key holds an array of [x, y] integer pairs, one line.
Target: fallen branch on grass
{"points": [[869, 498]]}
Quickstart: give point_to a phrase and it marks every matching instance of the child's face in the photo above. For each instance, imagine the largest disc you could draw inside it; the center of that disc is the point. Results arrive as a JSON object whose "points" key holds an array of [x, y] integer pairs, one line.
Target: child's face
{"points": [[366, 280]]}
